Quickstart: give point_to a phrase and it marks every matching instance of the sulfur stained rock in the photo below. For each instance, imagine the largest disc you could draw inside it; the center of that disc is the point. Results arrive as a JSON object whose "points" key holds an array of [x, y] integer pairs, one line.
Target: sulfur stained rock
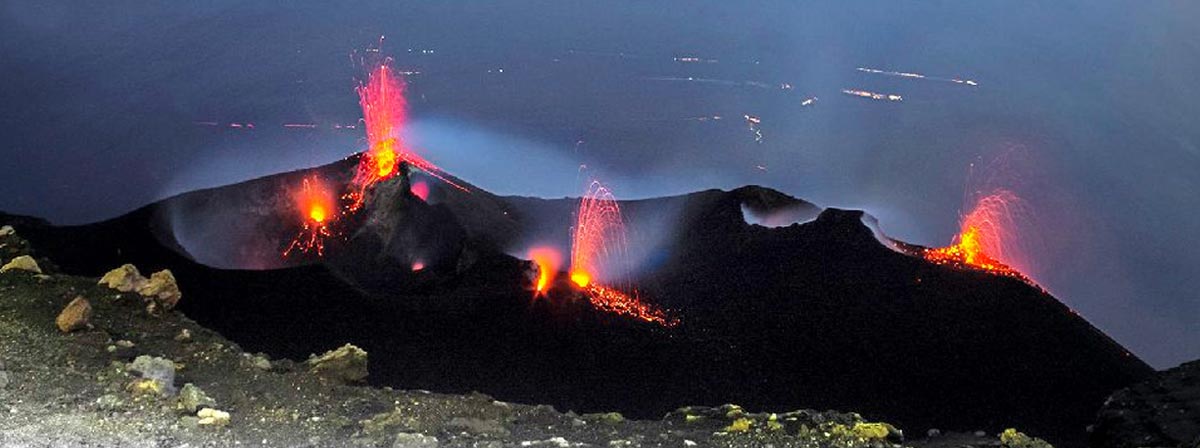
{"points": [[157, 375], [212, 417], [75, 316], [162, 290], [22, 263], [125, 278], [346, 364]]}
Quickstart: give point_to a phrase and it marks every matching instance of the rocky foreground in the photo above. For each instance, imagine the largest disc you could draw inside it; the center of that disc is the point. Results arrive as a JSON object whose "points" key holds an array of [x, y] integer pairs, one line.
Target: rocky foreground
{"points": [[106, 362]]}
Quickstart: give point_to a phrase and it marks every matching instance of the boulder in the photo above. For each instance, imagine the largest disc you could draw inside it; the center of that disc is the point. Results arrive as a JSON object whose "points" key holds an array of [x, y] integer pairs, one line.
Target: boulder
{"points": [[22, 263], [75, 316], [346, 364], [162, 290]]}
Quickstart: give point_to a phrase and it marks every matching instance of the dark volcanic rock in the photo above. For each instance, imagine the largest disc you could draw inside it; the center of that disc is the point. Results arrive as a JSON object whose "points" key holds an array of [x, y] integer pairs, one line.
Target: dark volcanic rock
{"points": [[814, 314], [1162, 411]]}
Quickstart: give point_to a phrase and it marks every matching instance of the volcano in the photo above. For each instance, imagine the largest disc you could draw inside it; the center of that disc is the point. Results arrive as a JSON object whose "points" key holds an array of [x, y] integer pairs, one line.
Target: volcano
{"points": [[815, 309]]}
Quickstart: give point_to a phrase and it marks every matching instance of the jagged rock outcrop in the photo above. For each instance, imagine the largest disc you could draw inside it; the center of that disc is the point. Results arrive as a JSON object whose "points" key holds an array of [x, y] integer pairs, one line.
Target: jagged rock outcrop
{"points": [[1162, 411]]}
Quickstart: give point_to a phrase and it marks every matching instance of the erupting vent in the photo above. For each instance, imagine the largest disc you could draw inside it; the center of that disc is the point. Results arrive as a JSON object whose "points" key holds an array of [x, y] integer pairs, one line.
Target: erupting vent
{"points": [[599, 241], [987, 238]]}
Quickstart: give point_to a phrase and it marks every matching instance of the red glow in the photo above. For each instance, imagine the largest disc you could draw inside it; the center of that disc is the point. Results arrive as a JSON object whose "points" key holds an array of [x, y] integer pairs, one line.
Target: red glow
{"points": [[987, 238], [599, 240], [548, 261], [315, 205], [420, 189], [418, 266]]}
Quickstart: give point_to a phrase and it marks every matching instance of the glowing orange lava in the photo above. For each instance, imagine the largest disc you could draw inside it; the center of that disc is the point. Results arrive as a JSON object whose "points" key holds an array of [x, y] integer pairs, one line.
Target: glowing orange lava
{"points": [[987, 237], [316, 207], [548, 261], [384, 116], [599, 240]]}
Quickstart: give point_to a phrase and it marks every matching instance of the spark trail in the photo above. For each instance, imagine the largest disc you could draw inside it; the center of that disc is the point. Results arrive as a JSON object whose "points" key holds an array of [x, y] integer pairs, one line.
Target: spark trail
{"points": [[873, 95], [910, 75]]}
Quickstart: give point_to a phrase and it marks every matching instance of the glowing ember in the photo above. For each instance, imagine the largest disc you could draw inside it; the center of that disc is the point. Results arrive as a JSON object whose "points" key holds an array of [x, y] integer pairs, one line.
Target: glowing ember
{"points": [[384, 116], [599, 240], [617, 302], [548, 261], [315, 204], [418, 266], [987, 237]]}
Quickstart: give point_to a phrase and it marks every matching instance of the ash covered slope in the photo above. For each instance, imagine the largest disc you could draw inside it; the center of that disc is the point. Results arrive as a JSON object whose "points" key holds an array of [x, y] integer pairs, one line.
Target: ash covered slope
{"points": [[819, 314]]}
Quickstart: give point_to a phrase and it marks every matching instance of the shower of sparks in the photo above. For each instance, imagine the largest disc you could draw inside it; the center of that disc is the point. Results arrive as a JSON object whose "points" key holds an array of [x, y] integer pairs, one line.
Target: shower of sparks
{"points": [[988, 237], [599, 240], [384, 117]]}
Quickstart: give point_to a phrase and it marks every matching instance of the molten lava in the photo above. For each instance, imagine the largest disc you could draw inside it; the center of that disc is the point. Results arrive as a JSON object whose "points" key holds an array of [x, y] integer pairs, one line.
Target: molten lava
{"points": [[548, 261], [599, 240], [987, 237], [384, 116], [315, 204]]}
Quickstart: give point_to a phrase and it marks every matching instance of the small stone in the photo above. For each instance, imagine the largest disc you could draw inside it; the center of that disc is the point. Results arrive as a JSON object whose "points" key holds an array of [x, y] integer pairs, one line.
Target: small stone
{"points": [[125, 278], [156, 369], [192, 399], [611, 418], [7, 230], [5, 379], [109, 403], [347, 364], [933, 432], [980, 434], [162, 289], [124, 343], [189, 422], [184, 335], [75, 316], [479, 427], [22, 263], [414, 440], [259, 362], [213, 417]]}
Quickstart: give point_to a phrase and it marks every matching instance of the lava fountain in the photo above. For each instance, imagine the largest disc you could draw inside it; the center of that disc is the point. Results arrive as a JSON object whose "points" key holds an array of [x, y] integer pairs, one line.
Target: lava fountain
{"points": [[599, 241], [384, 111], [987, 238], [315, 204]]}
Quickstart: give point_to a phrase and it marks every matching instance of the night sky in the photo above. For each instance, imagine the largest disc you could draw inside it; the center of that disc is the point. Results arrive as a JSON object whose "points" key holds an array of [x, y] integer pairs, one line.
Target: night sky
{"points": [[1088, 110]]}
